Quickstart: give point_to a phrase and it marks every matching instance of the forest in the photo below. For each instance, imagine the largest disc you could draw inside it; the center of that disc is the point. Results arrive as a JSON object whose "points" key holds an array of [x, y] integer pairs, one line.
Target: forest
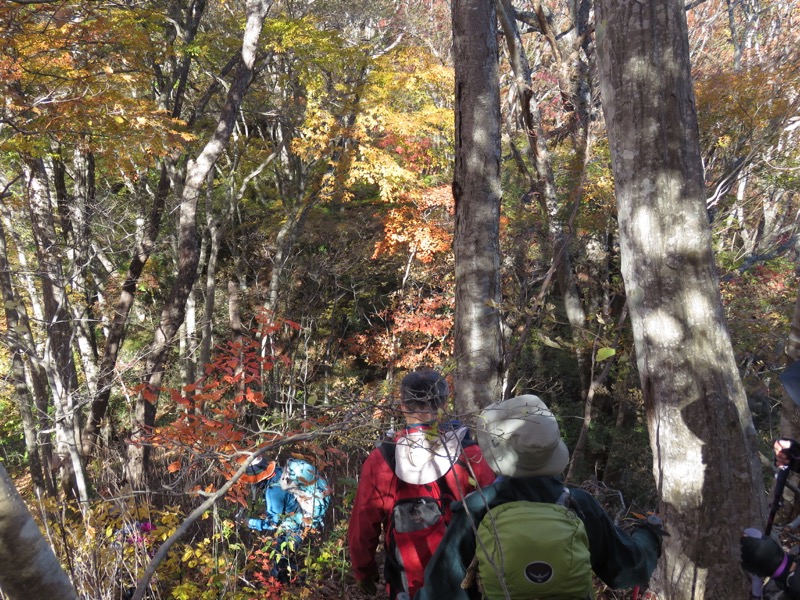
{"points": [[228, 228]]}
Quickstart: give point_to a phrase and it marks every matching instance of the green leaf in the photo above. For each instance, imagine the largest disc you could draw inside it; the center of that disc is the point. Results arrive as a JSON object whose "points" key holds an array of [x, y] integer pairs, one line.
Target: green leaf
{"points": [[604, 353]]}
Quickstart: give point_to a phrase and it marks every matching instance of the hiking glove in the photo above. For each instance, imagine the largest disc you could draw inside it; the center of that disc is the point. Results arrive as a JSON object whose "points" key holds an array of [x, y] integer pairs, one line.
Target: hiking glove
{"points": [[764, 557], [369, 585], [654, 525], [787, 452]]}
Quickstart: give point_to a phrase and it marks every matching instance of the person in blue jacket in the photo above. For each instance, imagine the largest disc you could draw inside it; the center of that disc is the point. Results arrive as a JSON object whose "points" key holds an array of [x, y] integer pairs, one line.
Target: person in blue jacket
{"points": [[296, 498]]}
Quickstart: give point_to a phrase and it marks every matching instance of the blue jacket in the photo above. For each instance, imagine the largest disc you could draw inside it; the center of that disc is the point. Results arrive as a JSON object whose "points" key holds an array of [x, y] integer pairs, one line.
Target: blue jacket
{"points": [[295, 498], [619, 559], [280, 507]]}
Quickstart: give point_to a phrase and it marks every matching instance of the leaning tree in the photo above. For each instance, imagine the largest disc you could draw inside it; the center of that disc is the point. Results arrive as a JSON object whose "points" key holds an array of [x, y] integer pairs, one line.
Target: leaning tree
{"points": [[30, 568], [701, 430]]}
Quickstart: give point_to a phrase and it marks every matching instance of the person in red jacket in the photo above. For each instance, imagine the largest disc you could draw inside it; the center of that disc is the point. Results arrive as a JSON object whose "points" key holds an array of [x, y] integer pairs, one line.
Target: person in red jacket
{"points": [[407, 485]]}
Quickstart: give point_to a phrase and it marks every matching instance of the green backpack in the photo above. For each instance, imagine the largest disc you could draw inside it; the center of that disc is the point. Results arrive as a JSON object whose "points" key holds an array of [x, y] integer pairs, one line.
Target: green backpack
{"points": [[534, 550]]}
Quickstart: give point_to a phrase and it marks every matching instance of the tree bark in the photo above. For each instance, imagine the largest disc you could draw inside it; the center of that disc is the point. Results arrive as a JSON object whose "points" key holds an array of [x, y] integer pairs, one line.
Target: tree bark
{"points": [[58, 361], [30, 568], [35, 378], [701, 431], [20, 344], [476, 189], [82, 205]]}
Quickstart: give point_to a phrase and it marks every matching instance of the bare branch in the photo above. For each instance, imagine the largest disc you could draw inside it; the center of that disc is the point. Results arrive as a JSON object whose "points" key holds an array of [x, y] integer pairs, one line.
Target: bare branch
{"points": [[161, 554]]}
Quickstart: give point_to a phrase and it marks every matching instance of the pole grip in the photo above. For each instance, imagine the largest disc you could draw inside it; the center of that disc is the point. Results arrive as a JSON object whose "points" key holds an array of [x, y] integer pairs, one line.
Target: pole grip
{"points": [[756, 587]]}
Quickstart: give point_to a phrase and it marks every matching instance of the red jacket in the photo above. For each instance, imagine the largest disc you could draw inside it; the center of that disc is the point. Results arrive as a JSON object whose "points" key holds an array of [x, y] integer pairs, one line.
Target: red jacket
{"points": [[375, 499]]}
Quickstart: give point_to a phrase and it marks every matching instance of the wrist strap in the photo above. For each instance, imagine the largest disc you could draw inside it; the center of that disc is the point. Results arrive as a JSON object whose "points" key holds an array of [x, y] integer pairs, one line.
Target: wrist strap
{"points": [[781, 567]]}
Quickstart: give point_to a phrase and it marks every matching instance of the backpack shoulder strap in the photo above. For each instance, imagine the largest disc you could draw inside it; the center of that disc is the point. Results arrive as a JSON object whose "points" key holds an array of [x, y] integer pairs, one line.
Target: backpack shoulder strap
{"points": [[567, 500], [387, 451]]}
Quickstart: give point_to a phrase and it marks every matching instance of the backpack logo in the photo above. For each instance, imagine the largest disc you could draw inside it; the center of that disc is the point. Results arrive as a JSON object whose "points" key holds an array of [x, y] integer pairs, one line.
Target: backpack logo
{"points": [[538, 572]]}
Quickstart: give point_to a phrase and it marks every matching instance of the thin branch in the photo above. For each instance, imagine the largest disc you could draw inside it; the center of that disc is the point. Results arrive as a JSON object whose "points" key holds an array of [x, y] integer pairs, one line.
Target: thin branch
{"points": [[161, 554]]}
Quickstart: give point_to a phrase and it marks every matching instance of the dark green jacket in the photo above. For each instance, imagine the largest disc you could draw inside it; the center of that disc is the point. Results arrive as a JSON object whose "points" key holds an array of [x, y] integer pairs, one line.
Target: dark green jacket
{"points": [[619, 559]]}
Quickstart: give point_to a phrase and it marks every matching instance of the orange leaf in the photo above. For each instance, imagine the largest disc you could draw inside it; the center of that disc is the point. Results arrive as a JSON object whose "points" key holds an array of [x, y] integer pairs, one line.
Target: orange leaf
{"points": [[175, 466], [149, 395]]}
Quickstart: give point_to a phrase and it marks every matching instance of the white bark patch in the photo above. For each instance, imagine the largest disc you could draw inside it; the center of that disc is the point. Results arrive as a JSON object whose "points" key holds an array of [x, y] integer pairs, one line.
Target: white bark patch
{"points": [[683, 481], [698, 307], [40, 565], [662, 329], [645, 223]]}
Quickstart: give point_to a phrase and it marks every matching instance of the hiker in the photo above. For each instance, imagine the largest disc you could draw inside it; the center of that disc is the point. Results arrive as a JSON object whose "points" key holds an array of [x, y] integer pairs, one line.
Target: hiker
{"points": [[527, 535], [407, 485], [762, 555], [296, 499]]}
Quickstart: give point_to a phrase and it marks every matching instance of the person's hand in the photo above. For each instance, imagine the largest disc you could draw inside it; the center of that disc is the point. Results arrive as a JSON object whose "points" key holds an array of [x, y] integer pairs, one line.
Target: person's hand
{"points": [[654, 525], [369, 585], [763, 557], [787, 452]]}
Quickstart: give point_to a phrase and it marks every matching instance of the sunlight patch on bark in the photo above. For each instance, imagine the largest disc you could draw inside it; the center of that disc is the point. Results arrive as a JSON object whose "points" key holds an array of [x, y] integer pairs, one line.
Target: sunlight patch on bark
{"points": [[645, 223], [663, 329], [683, 481], [698, 307]]}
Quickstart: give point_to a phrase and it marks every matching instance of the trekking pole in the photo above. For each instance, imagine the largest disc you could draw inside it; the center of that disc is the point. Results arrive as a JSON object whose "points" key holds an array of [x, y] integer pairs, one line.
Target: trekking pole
{"points": [[756, 583]]}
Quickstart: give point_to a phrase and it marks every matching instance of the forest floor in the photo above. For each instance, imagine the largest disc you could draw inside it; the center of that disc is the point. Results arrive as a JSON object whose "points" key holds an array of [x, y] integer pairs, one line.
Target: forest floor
{"points": [[336, 590]]}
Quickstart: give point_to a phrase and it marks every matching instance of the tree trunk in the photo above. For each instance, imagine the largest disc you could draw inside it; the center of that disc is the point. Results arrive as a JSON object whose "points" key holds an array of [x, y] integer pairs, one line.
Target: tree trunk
{"points": [[58, 360], [30, 568], [476, 189], [215, 231], [574, 83], [188, 256], [80, 218], [20, 345], [35, 376], [116, 332], [172, 91], [701, 431]]}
